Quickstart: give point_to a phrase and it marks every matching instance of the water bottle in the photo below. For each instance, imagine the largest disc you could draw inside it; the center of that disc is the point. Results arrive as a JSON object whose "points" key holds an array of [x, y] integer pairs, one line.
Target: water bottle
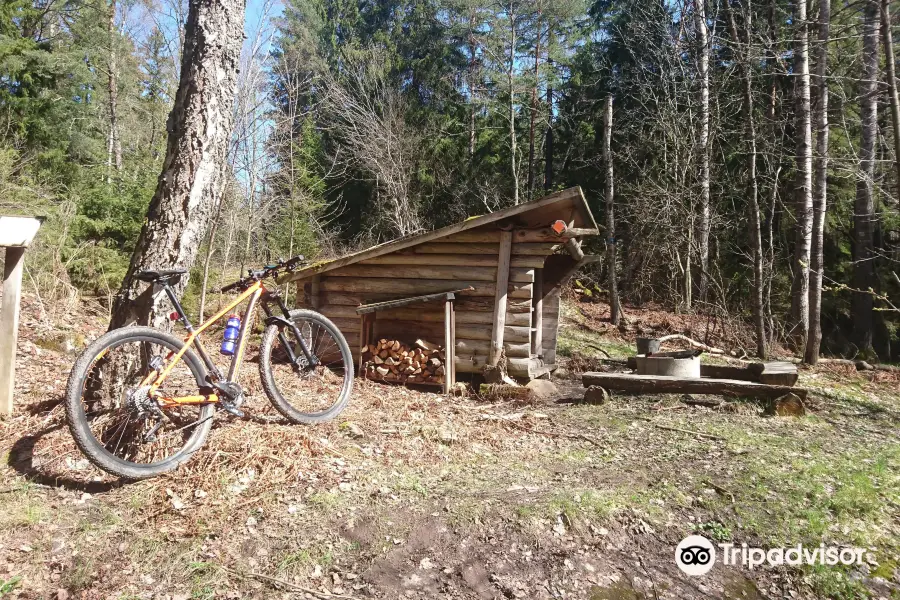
{"points": [[232, 329]]}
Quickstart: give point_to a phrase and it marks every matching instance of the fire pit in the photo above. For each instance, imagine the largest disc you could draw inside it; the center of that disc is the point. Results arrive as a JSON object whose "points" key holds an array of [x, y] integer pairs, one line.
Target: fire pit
{"points": [[676, 364]]}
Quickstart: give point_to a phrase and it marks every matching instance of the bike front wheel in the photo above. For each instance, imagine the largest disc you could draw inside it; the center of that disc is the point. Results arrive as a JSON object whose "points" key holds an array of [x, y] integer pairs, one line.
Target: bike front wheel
{"points": [[306, 393], [117, 422]]}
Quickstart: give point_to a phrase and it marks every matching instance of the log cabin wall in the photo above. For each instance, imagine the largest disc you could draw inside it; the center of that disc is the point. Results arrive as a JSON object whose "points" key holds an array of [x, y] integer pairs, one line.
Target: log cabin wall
{"points": [[456, 261], [530, 250]]}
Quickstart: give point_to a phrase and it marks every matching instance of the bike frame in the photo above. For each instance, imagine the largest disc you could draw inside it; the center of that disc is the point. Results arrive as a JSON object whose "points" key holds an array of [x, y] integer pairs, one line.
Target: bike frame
{"points": [[256, 291]]}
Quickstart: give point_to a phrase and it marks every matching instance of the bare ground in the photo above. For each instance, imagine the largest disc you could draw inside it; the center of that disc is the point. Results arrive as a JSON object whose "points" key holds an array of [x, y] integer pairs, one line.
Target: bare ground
{"points": [[456, 497]]}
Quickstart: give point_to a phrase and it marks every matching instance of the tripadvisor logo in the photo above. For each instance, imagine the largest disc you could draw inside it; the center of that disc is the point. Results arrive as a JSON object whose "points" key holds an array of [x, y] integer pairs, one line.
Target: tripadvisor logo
{"points": [[696, 555]]}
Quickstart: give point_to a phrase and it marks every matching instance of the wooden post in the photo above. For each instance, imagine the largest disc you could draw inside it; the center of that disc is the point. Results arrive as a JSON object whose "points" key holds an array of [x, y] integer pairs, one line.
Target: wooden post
{"points": [[366, 337], [500, 297], [448, 344], [9, 324], [537, 320], [450, 369]]}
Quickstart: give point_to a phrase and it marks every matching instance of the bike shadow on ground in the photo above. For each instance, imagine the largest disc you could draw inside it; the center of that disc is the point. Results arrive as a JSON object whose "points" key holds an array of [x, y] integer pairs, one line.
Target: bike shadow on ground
{"points": [[22, 456]]}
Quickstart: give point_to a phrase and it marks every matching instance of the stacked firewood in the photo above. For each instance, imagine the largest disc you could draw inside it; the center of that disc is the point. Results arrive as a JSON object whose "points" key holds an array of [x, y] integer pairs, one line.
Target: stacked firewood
{"points": [[394, 361]]}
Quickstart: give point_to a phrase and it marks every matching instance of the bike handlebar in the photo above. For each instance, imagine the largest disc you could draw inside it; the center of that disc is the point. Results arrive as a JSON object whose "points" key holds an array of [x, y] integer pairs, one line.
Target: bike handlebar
{"points": [[268, 271]]}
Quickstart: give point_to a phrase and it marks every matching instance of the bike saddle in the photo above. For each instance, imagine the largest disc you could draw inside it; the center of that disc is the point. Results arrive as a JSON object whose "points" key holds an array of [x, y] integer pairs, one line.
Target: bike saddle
{"points": [[151, 275]]}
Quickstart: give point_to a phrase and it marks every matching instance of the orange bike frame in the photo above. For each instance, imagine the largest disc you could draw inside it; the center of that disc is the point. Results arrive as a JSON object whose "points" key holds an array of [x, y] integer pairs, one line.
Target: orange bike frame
{"points": [[154, 380]]}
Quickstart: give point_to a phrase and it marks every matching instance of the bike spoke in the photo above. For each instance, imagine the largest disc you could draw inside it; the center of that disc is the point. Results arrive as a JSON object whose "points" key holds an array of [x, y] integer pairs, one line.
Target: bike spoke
{"points": [[121, 413], [311, 389]]}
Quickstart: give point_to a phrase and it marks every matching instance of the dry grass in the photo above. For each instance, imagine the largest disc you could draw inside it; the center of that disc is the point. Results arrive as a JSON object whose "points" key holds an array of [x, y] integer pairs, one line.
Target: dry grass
{"points": [[455, 497]]}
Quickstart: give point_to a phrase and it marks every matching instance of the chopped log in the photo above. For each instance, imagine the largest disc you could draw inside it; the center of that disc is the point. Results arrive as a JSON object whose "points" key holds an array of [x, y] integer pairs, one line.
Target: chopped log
{"points": [[425, 345], [789, 405], [417, 366], [661, 384]]}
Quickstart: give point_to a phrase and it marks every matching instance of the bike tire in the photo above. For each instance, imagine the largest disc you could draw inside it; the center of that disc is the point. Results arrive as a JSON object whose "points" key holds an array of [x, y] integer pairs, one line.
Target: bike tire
{"points": [[77, 417], [273, 390]]}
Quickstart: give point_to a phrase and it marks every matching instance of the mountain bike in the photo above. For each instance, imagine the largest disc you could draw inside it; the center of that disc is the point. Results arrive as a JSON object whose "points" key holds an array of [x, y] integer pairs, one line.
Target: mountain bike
{"points": [[140, 401]]}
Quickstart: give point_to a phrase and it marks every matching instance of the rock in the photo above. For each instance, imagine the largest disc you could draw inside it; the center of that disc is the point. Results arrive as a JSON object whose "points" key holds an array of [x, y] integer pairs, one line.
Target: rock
{"points": [[596, 395], [542, 389], [177, 502], [353, 430], [789, 405], [448, 436]]}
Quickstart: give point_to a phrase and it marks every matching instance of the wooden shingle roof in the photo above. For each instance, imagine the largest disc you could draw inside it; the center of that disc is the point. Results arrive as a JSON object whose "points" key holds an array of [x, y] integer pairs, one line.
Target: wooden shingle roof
{"points": [[568, 205]]}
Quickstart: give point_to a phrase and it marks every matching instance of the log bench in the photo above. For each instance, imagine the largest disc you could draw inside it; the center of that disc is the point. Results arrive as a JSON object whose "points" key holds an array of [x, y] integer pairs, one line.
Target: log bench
{"points": [[663, 384], [771, 373]]}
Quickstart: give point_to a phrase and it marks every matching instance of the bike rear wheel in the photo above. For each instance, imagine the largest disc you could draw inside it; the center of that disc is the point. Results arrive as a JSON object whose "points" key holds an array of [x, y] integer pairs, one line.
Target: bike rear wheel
{"points": [[305, 394], [116, 423]]}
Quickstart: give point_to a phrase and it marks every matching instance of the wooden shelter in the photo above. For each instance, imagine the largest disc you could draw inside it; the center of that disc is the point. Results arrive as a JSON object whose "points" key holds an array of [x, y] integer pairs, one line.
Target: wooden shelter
{"points": [[504, 270], [16, 234]]}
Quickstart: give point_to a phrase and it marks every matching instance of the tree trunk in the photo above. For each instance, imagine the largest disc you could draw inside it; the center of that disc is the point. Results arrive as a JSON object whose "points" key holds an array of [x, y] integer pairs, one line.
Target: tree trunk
{"points": [[615, 308], [743, 61], [703, 223], [199, 127], [534, 105], [864, 207], [891, 75], [548, 143], [804, 204], [774, 165], [820, 184], [214, 228], [472, 84], [512, 103], [114, 149]]}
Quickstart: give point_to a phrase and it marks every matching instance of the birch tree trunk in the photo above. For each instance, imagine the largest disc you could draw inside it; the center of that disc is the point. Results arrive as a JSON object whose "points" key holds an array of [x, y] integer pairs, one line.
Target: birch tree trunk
{"points": [[743, 61], [703, 223], [891, 75], [804, 203], [199, 127], [820, 184], [615, 308], [864, 207]]}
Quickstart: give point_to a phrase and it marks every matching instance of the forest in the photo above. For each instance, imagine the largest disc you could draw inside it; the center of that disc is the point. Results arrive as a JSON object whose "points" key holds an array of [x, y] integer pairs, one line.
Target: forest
{"points": [[753, 145]]}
